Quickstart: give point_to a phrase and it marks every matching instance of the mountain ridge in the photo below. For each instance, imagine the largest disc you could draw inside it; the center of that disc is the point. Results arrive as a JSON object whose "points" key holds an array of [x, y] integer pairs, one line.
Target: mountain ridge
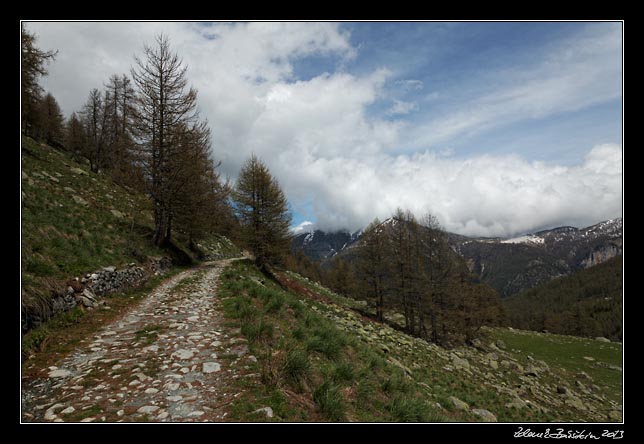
{"points": [[510, 265]]}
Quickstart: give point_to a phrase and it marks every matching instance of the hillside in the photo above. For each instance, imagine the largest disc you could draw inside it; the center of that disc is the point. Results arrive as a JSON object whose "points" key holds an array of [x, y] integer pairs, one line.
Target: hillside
{"points": [[586, 303], [75, 222], [318, 359], [508, 265], [517, 264]]}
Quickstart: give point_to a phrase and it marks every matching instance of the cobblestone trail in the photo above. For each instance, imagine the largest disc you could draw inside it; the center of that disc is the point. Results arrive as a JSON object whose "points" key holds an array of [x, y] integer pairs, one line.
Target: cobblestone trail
{"points": [[159, 362]]}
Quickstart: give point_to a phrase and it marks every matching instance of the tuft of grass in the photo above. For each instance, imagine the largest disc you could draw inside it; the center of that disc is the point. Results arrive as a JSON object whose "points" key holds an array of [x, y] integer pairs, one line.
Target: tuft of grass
{"points": [[406, 409], [343, 372], [257, 330], [329, 401], [297, 365], [327, 340]]}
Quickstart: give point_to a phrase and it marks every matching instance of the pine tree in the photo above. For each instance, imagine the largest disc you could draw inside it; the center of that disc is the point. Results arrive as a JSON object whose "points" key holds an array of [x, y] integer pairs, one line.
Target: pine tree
{"points": [[263, 213]]}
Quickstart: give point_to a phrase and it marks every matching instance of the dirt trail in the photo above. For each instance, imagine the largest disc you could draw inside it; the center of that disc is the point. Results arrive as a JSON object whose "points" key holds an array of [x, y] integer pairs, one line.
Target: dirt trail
{"points": [[159, 362]]}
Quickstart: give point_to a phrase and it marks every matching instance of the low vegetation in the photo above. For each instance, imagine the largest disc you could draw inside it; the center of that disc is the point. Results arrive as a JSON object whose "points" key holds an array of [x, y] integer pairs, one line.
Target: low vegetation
{"points": [[320, 360], [310, 369]]}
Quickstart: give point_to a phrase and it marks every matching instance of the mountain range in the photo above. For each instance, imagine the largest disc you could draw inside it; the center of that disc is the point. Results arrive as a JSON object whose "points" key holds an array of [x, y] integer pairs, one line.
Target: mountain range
{"points": [[508, 265]]}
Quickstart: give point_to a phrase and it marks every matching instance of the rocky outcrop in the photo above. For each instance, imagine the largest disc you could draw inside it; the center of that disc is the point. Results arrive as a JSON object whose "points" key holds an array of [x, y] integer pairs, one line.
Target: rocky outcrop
{"points": [[86, 290], [602, 254]]}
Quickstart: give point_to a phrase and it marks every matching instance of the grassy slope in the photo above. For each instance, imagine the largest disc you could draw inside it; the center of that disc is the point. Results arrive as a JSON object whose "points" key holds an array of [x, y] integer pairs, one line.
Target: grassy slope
{"points": [[321, 361], [75, 222]]}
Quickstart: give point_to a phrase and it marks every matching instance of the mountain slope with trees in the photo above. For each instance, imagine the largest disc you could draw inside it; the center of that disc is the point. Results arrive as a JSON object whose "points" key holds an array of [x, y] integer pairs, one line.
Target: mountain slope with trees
{"points": [[586, 303]]}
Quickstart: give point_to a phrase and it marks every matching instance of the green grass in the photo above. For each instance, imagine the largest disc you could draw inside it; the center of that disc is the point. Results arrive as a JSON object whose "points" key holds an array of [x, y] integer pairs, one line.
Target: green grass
{"points": [[568, 353], [316, 371], [326, 363], [328, 399]]}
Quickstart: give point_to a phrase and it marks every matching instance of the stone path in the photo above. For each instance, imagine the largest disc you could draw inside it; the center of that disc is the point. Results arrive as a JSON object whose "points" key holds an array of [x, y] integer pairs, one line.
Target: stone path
{"points": [[160, 362]]}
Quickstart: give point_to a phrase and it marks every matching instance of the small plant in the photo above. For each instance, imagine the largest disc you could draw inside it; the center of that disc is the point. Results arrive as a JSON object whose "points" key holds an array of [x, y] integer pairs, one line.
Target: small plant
{"points": [[40, 268], [274, 303], [297, 365], [328, 399], [405, 409], [326, 340], [256, 331], [343, 371]]}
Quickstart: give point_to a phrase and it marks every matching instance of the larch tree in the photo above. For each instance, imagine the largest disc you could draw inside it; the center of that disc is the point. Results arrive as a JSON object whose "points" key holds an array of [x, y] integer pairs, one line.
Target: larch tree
{"points": [[199, 195], [32, 67], [119, 110], [75, 138], [373, 266], [165, 107], [263, 213], [50, 121], [94, 118]]}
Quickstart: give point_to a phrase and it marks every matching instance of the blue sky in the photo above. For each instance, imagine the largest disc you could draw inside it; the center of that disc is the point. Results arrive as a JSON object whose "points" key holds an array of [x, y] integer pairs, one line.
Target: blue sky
{"points": [[497, 128]]}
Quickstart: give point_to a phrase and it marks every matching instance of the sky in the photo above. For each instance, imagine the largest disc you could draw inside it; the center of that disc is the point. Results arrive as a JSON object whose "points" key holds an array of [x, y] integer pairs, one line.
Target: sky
{"points": [[496, 128]]}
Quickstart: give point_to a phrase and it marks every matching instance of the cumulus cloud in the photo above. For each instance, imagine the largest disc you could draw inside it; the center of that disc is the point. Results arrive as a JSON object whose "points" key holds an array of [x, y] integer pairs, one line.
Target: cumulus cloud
{"points": [[332, 157], [480, 196]]}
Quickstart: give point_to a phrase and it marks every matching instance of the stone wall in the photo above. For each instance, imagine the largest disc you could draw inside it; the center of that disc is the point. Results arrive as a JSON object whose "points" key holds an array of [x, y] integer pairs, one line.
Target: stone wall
{"points": [[87, 290]]}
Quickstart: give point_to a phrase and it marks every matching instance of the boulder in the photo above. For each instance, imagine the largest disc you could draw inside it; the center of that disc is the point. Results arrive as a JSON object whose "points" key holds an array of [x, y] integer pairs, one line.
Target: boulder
{"points": [[76, 286], [500, 344], [485, 415], [79, 200], [602, 339], [531, 370], [76, 170], [266, 411], [460, 363], [512, 365], [458, 404], [516, 403], [575, 402]]}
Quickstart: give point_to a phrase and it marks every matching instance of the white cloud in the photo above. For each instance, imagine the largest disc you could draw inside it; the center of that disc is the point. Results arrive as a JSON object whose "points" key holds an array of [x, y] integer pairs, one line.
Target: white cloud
{"points": [[401, 108], [482, 196], [303, 227], [410, 84], [330, 155]]}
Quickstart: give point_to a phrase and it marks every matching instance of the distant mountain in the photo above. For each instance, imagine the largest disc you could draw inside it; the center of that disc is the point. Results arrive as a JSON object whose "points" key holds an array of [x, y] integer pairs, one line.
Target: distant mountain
{"points": [[516, 264], [509, 265], [320, 246]]}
